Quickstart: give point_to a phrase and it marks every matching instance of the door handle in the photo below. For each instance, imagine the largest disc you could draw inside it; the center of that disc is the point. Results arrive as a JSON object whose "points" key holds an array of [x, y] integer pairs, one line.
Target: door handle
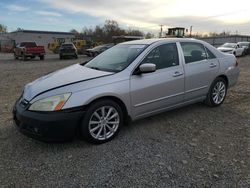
{"points": [[212, 65], [177, 73]]}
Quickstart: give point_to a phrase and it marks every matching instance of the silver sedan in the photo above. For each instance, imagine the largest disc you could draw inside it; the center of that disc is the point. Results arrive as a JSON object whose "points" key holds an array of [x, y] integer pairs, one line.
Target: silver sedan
{"points": [[129, 81]]}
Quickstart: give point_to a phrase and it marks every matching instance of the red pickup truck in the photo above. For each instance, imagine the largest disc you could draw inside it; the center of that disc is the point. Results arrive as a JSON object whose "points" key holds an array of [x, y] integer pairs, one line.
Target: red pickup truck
{"points": [[29, 49]]}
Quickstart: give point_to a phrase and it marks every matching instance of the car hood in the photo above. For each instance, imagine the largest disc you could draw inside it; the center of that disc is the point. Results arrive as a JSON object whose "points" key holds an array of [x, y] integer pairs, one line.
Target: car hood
{"points": [[70, 75], [225, 48]]}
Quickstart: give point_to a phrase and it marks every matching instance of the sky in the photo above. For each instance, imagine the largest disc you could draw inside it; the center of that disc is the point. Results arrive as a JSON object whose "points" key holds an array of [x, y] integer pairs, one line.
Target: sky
{"points": [[63, 15]]}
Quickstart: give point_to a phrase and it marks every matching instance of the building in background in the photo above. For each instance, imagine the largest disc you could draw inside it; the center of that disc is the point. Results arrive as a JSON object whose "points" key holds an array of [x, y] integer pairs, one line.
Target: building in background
{"points": [[43, 38]]}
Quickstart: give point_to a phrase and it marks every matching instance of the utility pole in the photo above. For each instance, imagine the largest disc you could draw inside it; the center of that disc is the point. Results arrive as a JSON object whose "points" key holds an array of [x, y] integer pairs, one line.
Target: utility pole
{"points": [[160, 34], [191, 28]]}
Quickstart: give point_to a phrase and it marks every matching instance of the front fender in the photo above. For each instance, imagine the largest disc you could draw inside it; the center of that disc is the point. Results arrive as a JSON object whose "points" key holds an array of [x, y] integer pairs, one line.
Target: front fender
{"points": [[119, 90]]}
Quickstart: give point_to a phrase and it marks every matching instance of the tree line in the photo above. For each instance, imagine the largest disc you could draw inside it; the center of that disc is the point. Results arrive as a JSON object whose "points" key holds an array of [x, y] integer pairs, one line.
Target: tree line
{"points": [[108, 30]]}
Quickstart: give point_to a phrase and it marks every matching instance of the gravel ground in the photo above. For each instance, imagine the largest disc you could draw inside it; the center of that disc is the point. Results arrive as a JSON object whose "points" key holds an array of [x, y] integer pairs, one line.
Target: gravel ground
{"points": [[195, 146]]}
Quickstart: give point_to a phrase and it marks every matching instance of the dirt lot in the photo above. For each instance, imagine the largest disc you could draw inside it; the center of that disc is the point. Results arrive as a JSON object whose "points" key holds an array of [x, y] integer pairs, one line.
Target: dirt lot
{"points": [[195, 146]]}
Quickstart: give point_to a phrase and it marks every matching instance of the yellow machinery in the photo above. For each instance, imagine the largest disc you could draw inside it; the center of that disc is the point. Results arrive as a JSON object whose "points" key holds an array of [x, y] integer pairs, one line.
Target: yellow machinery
{"points": [[80, 45], [55, 45], [176, 32]]}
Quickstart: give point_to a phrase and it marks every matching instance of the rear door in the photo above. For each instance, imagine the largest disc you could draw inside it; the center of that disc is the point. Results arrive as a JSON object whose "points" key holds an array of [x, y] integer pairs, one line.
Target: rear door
{"points": [[152, 92], [201, 67]]}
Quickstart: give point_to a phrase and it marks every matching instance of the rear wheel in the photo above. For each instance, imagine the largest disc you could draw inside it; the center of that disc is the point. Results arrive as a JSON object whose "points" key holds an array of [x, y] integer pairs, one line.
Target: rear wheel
{"points": [[217, 92], [24, 57], [102, 122], [41, 57], [76, 56]]}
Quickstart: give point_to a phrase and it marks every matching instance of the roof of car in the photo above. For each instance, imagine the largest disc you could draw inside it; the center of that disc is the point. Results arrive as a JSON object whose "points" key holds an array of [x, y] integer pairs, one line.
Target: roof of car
{"points": [[67, 43], [151, 41], [243, 42]]}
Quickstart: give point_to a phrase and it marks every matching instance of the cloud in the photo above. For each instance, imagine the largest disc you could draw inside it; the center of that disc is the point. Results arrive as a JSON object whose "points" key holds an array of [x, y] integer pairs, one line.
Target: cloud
{"points": [[17, 8], [48, 13], [147, 14]]}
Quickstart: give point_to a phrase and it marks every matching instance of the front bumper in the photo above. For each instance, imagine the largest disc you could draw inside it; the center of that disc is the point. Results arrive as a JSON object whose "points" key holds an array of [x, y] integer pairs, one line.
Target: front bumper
{"points": [[34, 54], [67, 53], [47, 126]]}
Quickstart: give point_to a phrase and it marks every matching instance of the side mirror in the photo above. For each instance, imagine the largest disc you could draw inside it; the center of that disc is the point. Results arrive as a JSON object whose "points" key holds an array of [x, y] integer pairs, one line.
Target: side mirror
{"points": [[147, 68]]}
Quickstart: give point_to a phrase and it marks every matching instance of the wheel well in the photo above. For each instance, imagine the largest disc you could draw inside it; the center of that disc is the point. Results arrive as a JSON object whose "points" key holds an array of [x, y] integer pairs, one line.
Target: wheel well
{"points": [[127, 118], [224, 77]]}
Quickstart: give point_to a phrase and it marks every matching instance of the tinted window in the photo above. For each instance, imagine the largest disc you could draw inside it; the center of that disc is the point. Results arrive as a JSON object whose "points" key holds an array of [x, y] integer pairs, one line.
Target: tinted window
{"points": [[210, 55], [163, 56], [67, 45], [28, 44], [193, 52]]}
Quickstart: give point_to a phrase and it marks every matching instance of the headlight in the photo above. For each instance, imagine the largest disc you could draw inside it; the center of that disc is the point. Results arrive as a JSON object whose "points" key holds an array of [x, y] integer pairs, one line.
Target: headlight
{"points": [[53, 103]]}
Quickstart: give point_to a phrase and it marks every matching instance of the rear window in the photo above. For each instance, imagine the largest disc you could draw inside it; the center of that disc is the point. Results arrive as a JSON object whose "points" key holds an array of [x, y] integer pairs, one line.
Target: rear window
{"points": [[28, 44], [210, 55], [193, 52], [67, 45]]}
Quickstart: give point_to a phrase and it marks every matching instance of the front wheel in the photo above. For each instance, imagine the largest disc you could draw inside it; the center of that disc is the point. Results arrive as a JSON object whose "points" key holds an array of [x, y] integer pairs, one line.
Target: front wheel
{"points": [[15, 56], [217, 92], [102, 122]]}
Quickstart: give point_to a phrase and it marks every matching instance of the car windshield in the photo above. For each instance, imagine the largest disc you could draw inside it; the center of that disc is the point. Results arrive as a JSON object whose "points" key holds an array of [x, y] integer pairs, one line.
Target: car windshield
{"points": [[67, 45], [98, 47], [229, 45], [117, 58], [241, 44]]}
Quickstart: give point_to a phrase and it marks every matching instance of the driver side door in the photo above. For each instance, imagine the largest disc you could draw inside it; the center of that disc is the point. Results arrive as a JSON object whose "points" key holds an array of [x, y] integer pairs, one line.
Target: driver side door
{"points": [[152, 92]]}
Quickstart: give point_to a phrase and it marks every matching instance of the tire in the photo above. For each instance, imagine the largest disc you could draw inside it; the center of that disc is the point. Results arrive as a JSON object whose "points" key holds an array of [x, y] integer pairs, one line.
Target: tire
{"points": [[76, 57], [24, 57], [97, 136], [15, 56], [218, 84], [41, 57], [60, 57]]}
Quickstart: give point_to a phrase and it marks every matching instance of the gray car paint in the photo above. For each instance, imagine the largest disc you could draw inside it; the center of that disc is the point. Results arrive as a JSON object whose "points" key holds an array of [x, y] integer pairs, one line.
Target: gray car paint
{"points": [[143, 95]]}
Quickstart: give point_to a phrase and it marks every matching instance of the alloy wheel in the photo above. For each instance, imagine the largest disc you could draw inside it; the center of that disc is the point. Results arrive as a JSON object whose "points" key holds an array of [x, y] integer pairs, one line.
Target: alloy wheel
{"points": [[104, 122], [219, 92]]}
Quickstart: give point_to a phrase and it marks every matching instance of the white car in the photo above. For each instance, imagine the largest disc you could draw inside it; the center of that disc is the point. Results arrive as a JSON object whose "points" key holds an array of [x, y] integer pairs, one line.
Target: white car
{"points": [[231, 48], [246, 46], [129, 81]]}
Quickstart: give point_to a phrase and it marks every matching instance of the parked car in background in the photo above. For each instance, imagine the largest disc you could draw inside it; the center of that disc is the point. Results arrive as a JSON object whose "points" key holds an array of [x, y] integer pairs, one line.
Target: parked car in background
{"points": [[67, 50], [98, 49], [246, 46], [29, 50], [129, 81], [232, 48]]}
